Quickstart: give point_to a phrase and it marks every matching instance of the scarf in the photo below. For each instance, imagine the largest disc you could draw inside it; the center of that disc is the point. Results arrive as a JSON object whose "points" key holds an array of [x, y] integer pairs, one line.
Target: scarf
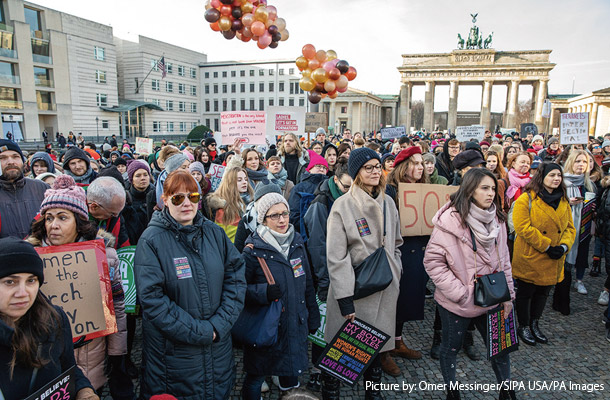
{"points": [[257, 176], [334, 189], [537, 147], [245, 197], [517, 182], [552, 199], [279, 178], [279, 241], [484, 224], [552, 152], [575, 188], [83, 178]]}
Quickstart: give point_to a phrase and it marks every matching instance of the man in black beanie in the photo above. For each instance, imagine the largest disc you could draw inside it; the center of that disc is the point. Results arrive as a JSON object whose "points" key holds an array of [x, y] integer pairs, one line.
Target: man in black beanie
{"points": [[78, 166]]}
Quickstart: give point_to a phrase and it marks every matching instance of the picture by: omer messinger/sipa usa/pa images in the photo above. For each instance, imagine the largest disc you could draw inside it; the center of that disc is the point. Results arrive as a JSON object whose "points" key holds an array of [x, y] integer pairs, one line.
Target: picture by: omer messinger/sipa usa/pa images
{"points": [[532, 386]]}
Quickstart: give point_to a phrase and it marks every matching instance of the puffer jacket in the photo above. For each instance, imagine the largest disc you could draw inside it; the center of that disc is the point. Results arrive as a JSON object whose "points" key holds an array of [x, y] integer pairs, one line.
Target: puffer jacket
{"points": [[450, 263], [191, 284], [19, 203], [301, 196]]}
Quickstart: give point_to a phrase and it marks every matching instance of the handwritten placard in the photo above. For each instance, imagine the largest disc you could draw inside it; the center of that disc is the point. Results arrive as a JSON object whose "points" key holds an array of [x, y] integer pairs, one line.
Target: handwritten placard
{"points": [[78, 281], [352, 350], [574, 128], [60, 388], [249, 126], [501, 333], [467, 133], [586, 220], [216, 172], [144, 145], [418, 203], [393, 132], [315, 120], [318, 337], [282, 120], [126, 257]]}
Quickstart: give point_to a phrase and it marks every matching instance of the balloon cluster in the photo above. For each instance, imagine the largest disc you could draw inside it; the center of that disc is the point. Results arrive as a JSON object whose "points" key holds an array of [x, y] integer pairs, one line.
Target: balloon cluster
{"points": [[323, 73], [247, 20]]}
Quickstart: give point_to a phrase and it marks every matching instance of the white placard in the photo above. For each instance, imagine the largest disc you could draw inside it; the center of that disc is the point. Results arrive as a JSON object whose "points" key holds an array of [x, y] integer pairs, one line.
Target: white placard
{"points": [[282, 120], [466, 133], [248, 126], [574, 128], [393, 132]]}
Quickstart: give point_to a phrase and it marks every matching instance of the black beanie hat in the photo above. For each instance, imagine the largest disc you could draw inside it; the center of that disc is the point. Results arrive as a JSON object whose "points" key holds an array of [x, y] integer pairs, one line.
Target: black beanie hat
{"points": [[209, 141], [548, 167], [120, 161], [6, 145], [74, 153], [18, 256], [359, 157]]}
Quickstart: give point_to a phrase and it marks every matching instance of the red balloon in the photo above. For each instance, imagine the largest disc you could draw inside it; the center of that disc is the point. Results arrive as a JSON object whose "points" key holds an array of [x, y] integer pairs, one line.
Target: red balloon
{"points": [[215, 27], [226, 10], [314, 64], [334, 74], [309, 51], [351, 73]]}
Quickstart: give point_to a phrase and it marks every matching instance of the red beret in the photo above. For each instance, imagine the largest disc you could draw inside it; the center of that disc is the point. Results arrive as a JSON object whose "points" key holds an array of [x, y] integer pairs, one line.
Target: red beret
{"points": [[405, 154]]}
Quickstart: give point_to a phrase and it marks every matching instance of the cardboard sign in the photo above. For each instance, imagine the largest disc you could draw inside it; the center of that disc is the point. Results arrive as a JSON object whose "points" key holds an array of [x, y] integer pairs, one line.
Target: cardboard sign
{"points": [[126, 257], [318, 337], [501, 333], [574, 128], [352, 350], [282, 120], [144, 145], [466, 133], [60, 388], [216, 172], [249, 126], [527, 129], [393, 132], [418, 203], [78, 281], [315, 120]]}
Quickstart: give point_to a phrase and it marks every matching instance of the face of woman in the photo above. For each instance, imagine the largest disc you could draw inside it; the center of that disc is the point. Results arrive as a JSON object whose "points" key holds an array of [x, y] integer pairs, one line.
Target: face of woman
{"points": [[331, 156], [370, 173], [505, 144], [252, 162], [522, 164], [485, 193], [17, 294], [552, 180], [317, 148], [492, 163], [141, 180], [204, 158], [277, 218], [185, 164], [197, 175], [344, 183], [242, 182], [415, 169], [429, 167], [49, 180], [183, 213], [580, 164], [274, 166], [346, 153], [60, 225], [511, 151], [39, 167], [122, 168], [388, 164]]}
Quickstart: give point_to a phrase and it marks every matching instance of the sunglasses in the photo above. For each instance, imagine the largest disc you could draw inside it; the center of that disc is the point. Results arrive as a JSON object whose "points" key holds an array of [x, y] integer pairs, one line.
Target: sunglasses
{"points": [[179, 198]]}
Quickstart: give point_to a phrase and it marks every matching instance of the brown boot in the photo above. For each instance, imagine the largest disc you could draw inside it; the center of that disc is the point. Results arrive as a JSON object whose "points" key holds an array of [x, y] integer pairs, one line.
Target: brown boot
{"points": [[388, 365], [401, 350]]}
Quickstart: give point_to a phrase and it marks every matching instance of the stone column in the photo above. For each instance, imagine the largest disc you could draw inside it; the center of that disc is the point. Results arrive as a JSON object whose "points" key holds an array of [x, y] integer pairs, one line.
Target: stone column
{"points": [[429, 106], [453, 106], [541, 93], [593, 118], [513, 97], [332, 114], [350, 115], [362, 117], [485, 119]]}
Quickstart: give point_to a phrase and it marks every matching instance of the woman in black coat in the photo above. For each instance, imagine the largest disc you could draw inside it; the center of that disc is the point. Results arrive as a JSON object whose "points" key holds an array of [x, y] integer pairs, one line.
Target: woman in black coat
{"points": [[138, 186], [283, 250]]}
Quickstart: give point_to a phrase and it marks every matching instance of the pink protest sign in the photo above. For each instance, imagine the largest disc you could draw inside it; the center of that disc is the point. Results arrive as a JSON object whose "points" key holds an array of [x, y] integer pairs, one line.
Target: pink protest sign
{"points": [[249, 126]]}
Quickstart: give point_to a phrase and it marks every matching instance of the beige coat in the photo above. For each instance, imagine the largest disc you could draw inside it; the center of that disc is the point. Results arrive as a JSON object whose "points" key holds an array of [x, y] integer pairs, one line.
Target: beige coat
{"points": [[346, 247]]}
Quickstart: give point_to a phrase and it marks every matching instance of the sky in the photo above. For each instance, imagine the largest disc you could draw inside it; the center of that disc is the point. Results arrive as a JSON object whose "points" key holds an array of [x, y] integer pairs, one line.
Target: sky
{"points": [[372, 36]]}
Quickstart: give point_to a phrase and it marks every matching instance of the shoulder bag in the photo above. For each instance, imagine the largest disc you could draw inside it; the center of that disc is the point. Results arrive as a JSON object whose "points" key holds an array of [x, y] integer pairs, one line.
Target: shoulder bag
{"points": [[490, 289]]}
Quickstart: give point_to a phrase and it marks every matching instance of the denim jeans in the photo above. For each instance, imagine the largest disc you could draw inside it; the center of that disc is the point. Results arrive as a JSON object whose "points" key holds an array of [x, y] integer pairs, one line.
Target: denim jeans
{"points": [[454, 328], [599, 248], [251, 389]]}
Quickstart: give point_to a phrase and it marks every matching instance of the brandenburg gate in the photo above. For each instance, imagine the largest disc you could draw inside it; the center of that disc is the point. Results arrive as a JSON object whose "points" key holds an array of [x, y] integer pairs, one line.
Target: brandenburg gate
{"points": [[474, 63]]}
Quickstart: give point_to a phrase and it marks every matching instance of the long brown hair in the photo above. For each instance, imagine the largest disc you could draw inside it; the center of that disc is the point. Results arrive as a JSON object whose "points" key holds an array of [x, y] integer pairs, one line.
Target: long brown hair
{"points": [[463, 198], [499, 171], [398, 174], [537, 183], [235, 206]]}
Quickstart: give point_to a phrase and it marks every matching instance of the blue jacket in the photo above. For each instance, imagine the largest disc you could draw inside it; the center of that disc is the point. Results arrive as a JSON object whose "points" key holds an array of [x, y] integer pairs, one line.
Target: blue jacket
{"points": [[301, 196], [289, 356], [19, 203], [190, 282]]}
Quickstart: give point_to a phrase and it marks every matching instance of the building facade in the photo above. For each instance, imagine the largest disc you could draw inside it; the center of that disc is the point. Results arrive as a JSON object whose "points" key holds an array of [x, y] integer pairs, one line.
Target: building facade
{"points": [[596, 103]]}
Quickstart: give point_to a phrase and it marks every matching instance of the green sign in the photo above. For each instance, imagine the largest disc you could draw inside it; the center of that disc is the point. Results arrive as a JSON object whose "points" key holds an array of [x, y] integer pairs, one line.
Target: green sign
{"points": [[126, 257], [318, 337]]}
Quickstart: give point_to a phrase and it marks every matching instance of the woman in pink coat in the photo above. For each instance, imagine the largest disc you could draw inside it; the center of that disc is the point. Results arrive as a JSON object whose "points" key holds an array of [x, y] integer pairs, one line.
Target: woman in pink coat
{"points": [[450, 263]]}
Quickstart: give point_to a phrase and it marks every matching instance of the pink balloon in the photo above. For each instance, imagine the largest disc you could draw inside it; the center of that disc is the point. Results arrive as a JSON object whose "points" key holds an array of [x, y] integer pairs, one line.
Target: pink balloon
{"points": [[335, 61], [342, 90], [272, 12], [261, 46], [265, 39], [342, 82], [247, 19], [328, 66], [215, 3]]}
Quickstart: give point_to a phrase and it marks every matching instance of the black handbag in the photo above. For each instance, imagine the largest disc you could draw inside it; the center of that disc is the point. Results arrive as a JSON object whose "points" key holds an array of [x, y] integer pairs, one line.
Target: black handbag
{"points": [[374, 273], [490, 289]]}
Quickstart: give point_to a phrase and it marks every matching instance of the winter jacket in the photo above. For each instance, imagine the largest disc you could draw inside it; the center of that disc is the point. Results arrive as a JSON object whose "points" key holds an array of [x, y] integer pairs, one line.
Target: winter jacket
{"points": [[44, 157], [437, 179], [19, 203], [190, 282], [301, 196], [450, 263], [135, 214], [444, 164], [537, 229], [57, 348], [602, 222], [356, 223], [302, 163], [289, 355], [247, 225]]}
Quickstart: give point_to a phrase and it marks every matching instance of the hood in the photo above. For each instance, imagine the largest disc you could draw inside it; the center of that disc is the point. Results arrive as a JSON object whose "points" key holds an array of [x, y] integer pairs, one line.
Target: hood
{"points": [[216, 202], [313, 178], [43, 156], [448, 220], [605, 181], [323, 189]]}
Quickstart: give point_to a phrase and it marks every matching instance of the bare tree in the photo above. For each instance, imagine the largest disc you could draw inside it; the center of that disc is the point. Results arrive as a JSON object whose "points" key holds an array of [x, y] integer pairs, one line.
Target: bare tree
{"points": [[417, 114], [524, 113]]}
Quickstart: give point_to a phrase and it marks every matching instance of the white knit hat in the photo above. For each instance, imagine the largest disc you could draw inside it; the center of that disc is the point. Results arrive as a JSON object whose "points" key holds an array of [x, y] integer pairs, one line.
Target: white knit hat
{"points": [[266, 202]]}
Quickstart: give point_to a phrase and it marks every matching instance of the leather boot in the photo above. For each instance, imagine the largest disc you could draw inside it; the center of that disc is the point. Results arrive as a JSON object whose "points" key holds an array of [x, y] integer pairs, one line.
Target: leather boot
{"points": [[401, 350], [314, 383], [453, 395], [331, 387], [537, 333], [388, 365], [373, 375], [526, 335], [469, 348], [435, 350], [507, 394], [596, 268]]}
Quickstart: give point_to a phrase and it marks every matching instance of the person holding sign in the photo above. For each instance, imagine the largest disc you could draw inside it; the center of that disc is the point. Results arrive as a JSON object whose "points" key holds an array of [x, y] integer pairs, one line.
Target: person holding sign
{"points": [[191, 286], [35, 337], [468, 241], [356, 221]]}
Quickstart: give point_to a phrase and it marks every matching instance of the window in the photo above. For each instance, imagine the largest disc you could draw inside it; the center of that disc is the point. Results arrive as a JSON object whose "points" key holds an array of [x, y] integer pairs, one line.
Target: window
{"points": [[224, 88], [343, 110], [215, 88], [169, 87], [251, 87], [233, 87], [155, 84], [261, 72], [182, 126], [102, 99], [207, 74], [291, 88], [270, 86], [215, 74], [181, 106], [156, 126], [207, 106], [233, 105], [193, 107], [181, 70], [242, 73], [105, 124], [194, 73], [280, 101], [301, 102], [281, 86], [156, 102], [271, 72], [233, 73], [242, 104], [224, 74], [154, 65], [169, 67], [251, 72], [33, 18], [291, 102], [216, 124], [193, 125], [98, 53], [100, 76], [193, 90], [261, 105], [281, 71], [169, 105], [224, 105], [242, 88], [181, 88], [216, 105], [270, 102], [207, 122], [170, 126], [261, 87], [207, 89], [291, 71], [251, 104]]}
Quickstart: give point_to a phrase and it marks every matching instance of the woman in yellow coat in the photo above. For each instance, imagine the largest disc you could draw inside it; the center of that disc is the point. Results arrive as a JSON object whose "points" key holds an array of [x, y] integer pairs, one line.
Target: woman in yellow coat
{"points": [[545, 233]]}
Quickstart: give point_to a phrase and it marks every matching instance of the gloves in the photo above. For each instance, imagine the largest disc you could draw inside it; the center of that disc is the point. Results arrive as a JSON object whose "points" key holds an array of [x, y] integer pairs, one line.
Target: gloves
{"points": [[555, 252], [273, 292], [313, 331], [323, 294]]}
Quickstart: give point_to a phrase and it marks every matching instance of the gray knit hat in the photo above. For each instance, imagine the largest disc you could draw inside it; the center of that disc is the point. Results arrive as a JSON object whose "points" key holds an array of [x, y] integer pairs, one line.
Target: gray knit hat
{"points": [[197, 166], [263, 189], [174, 162], [266, 202]]}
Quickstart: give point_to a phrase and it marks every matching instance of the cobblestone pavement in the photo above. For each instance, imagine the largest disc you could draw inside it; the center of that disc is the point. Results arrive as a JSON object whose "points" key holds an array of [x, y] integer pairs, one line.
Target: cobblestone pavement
{"points": [[577, 353]]}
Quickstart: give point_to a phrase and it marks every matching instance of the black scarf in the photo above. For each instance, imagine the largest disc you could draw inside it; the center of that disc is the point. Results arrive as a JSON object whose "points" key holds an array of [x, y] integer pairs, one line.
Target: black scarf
{"points": [[552, 199]]}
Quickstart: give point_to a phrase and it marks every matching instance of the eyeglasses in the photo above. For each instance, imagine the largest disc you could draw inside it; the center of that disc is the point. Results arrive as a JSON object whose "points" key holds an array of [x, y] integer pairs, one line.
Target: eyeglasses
{"points": [[369, 168], [344, 186], [179, 198], [276, 217]]}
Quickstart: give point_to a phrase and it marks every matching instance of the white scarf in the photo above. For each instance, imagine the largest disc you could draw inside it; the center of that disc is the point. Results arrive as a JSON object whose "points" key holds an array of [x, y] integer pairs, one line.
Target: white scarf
{"points": [[484, 224], [280, 241]]}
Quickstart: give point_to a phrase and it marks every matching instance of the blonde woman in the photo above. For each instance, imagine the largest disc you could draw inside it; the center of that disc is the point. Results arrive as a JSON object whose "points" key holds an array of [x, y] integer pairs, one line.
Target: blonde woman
{"points": [[494, 164]]}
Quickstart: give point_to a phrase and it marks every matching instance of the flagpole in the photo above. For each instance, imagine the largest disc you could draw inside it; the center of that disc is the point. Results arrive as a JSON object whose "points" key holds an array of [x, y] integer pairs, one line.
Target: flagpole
{"points": [[151, 69]]}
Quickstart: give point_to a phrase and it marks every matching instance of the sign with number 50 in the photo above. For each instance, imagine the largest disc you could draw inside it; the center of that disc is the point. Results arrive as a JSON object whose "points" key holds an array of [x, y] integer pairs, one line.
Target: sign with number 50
{"points": [[418, 203]]}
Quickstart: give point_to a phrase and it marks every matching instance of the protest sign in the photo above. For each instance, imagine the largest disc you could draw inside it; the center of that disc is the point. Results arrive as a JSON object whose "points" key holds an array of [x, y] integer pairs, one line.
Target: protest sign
{"points": [[315, 120], [77, 280], [216, 172], [546, 108], [282, 120], [60, 388], [574, 128], [527, 129], [501, 333], [393, 132], [126, 257], [507, 131], [248, 126], [318, 337], [352, 350], [587, 217], [418, 203], [144, 145], [466, 133]]}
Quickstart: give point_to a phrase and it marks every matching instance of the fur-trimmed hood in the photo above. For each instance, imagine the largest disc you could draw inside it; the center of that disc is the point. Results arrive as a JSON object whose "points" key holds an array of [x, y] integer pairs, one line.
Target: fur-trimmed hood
{"points": [[605, 182]]}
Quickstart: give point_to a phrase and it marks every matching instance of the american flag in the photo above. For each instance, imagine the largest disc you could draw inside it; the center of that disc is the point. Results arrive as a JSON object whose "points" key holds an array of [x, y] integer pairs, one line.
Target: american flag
{"points": [[161, 66]]}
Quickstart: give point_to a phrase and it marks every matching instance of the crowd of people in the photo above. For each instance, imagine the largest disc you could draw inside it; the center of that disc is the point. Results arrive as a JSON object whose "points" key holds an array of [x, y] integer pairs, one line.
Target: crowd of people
{"points": [[284, 230]]}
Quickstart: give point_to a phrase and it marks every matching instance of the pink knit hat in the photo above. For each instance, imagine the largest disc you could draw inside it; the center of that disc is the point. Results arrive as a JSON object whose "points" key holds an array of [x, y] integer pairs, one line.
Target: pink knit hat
{"points": [[67, 195], [316, 159]]}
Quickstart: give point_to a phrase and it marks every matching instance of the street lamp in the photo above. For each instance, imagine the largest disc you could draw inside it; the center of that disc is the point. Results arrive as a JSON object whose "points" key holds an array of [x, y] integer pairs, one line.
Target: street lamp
{"points": [[97, 129]]}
